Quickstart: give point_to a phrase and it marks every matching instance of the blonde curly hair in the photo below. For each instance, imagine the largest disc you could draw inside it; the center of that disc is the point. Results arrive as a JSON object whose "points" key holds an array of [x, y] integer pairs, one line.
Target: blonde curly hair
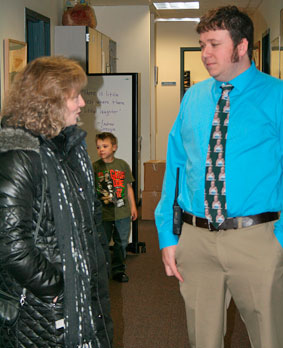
{"points": [[38, 95]]}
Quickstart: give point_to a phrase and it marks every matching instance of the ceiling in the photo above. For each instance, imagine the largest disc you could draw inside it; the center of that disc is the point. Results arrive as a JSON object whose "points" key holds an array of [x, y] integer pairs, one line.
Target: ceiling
{"points": [[247, 5]]}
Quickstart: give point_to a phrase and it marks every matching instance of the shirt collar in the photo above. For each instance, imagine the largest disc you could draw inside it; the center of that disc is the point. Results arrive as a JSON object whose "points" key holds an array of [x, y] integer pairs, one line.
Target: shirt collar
{"points": [[240, 82]]}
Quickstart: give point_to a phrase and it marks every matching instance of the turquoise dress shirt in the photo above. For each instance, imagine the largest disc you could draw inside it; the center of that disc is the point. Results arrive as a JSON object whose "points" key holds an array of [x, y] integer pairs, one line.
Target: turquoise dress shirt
{"points": [[254, 151]]}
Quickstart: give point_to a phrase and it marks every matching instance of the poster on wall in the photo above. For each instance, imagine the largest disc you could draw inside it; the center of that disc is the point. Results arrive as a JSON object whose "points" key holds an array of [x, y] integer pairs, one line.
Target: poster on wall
{"points": [[15, 59]]}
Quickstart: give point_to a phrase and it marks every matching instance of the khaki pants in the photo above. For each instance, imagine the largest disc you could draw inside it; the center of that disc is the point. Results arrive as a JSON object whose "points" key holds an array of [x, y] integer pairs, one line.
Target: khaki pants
{"points": [[246, 263]]}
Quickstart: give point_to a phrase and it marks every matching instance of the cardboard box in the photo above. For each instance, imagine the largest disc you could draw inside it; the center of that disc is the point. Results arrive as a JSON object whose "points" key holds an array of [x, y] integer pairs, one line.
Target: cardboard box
{"points": [[149, 203], [153, 175]]}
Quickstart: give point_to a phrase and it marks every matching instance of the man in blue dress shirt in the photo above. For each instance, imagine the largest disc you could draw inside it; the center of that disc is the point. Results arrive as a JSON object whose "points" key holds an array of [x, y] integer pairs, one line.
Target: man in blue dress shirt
{"points": [[243, 257]]}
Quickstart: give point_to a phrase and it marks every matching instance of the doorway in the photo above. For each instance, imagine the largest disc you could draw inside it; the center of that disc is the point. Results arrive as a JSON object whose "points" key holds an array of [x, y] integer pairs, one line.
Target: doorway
{"points": [[37, 34], [266, 52], [192, 69]]}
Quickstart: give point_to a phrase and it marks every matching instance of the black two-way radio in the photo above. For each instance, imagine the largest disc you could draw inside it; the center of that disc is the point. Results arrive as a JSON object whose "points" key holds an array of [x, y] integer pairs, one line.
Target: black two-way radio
{"points": [[177, 211]]}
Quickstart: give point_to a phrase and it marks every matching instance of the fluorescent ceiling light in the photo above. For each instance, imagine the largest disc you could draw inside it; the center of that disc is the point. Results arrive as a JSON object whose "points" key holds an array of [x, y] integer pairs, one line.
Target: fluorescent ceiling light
{"points": [[177, 19], [176, 5]]}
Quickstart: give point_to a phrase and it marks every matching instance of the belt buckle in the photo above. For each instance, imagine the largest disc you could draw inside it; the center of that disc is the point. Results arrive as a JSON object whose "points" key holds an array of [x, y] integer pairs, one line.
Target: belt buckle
{"points": [[228, 224], [247, 221]]}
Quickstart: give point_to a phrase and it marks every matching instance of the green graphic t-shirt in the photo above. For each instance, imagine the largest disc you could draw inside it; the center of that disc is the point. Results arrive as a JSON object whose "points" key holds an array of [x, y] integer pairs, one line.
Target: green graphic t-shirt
{"points": [[111, 181]]}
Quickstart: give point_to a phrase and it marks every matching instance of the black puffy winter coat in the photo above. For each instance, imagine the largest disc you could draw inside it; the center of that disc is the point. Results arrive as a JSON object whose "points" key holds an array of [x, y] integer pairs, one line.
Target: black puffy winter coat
{"points": [[36, 265]]}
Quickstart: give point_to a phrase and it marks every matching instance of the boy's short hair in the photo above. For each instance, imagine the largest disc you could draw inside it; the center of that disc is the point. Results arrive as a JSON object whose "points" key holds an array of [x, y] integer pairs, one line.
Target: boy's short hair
{"points": [[107, 135]]}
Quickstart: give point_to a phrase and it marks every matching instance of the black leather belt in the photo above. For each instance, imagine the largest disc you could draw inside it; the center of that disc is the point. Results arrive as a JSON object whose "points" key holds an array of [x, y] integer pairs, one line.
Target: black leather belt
{"points": [[230, 223]]}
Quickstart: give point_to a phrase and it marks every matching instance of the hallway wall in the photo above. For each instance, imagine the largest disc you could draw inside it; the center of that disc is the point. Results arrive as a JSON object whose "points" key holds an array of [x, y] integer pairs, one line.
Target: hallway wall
{"points": [[136, 35], [12, 21], [129, 26], [268, 16], [170, 36]]}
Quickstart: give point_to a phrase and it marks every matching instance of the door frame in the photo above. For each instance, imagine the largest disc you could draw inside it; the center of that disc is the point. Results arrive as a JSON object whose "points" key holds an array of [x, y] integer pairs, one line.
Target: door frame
{"points": [[182, 56], [32, 16]]}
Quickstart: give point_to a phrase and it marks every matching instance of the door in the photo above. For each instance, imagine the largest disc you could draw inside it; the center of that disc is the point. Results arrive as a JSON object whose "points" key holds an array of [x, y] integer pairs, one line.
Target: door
{"points": [[37, 35], [192, 68], [94, 62], [266, 52]]}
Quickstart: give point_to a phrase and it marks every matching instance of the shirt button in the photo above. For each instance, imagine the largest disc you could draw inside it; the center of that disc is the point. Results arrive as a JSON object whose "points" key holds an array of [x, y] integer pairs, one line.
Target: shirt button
{"points": [[100, 316]]}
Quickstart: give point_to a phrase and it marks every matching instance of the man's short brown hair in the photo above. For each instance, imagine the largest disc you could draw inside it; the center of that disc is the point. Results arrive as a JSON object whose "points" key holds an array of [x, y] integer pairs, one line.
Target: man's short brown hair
{"points": [[230, 18]]}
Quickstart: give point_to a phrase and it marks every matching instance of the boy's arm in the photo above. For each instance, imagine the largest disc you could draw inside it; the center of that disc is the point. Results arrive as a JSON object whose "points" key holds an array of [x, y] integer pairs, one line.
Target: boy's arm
{"points": [[131, 198]]}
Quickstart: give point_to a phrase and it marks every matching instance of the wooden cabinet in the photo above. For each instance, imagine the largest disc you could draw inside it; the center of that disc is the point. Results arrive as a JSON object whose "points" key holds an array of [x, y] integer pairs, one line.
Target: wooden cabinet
{"points": [[105, 53], [94, 56], [87, 45]]}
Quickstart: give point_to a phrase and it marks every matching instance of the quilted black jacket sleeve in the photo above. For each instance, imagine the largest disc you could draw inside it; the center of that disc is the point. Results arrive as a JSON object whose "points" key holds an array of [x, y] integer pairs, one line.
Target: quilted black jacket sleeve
{"points": [[20, 196]]}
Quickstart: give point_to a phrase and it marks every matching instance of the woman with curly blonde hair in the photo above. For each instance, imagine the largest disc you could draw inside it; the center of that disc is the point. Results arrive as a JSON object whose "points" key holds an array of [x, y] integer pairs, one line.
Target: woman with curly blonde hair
{"points": [[41, 89], [60, 269]]}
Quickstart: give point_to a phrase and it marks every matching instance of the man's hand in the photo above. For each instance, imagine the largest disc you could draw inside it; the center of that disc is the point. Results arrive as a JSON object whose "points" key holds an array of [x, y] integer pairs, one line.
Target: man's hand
{"points": [[168, 258]]}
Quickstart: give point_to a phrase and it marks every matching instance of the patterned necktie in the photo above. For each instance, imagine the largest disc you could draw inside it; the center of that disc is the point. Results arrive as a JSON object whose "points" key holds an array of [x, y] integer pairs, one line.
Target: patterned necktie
{"points": [[215, 187]]}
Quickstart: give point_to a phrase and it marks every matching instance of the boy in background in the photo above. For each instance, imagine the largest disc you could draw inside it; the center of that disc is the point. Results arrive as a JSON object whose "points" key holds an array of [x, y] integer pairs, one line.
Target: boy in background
{"points": [[113, 180]]}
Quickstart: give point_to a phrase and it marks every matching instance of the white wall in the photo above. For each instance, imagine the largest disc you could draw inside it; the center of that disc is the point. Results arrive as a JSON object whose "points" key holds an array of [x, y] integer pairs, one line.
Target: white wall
{"points": [[12, 20], [170, 37], [129, 26], [152, 89], [268, 16], [133, 30]]}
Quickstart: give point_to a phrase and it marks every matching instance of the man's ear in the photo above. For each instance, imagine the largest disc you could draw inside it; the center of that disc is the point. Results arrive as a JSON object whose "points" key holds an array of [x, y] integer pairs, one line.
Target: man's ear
{"points": [[243, 47], [115, 147]]}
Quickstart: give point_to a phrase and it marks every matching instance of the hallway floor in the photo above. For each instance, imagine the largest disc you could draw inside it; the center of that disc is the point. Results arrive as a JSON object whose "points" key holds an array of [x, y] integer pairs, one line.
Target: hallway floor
{"points": [[148, 312]]}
